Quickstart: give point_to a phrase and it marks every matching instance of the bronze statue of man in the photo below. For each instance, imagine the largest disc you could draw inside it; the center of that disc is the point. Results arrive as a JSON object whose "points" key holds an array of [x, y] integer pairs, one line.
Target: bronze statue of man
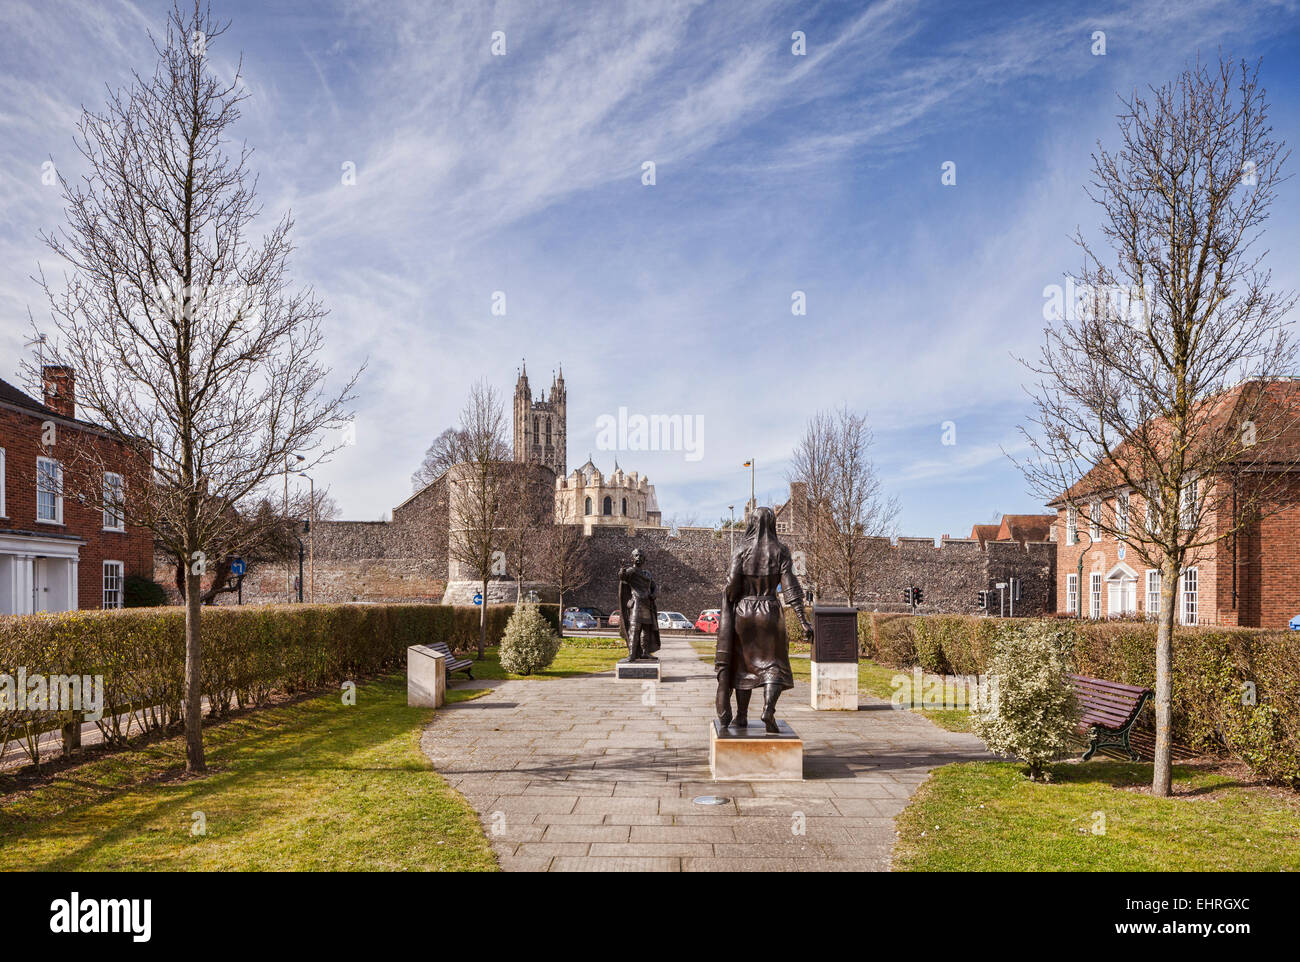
{"points": [[753, 650], [638, 610]]}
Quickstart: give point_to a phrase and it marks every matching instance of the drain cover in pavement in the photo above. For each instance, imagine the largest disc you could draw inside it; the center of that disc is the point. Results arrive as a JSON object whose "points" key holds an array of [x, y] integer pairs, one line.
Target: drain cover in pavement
{"points": [[711, 800]]}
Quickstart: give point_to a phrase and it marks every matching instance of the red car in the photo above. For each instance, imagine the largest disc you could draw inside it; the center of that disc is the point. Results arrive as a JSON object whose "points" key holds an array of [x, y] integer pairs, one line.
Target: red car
{"points": [[708, 620]]}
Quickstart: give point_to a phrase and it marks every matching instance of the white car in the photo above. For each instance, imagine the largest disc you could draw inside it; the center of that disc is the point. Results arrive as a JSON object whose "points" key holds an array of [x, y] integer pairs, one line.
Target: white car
{"points": [[674, 620]]}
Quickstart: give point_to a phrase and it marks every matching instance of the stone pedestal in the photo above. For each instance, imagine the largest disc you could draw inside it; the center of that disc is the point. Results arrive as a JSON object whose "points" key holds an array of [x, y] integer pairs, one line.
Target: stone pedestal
{"points": [[426, 677], [753, 755], [835, 686], [643, 669]]}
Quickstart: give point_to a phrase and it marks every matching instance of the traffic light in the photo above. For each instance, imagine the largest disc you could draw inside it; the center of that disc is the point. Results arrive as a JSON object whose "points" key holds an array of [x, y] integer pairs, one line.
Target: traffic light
{"points": [[917, 597], [984, 601], [907, 596]]}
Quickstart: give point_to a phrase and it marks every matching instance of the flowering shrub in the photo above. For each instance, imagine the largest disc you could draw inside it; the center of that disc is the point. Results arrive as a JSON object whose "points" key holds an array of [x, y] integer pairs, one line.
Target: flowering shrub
{"points": [[1032, 710], [529, 643]]}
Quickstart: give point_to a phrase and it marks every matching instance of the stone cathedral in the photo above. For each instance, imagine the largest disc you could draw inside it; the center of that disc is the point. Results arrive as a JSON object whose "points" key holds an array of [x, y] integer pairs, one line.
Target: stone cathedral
{"points": [[587, 496], [540, 436]]}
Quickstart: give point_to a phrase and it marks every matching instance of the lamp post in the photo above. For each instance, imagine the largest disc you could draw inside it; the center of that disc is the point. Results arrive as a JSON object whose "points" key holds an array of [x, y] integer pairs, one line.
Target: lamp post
{"points": [[1079, 577], [288, 568], [311, 537], [732, 529]]}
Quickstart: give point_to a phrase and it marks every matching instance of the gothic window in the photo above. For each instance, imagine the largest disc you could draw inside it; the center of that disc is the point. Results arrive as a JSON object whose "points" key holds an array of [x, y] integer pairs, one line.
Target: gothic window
{"points": [[588, 511], [535, 425], [609, 506], [625, 507]]}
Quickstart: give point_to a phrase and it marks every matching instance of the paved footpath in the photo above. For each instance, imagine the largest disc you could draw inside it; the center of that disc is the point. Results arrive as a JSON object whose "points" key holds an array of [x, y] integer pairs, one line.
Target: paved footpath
{"points": [[581, 774]]}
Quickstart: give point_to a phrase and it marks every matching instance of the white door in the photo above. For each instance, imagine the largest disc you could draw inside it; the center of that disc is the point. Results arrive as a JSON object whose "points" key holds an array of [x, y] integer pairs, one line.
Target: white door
{"points": [[41, 585], [1121, 597]]}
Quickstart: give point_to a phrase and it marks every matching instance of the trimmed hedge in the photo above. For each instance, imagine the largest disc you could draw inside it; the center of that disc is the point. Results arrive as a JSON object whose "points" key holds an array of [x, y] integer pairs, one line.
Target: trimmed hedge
{"points": [[1236, 690], [249, 652]]}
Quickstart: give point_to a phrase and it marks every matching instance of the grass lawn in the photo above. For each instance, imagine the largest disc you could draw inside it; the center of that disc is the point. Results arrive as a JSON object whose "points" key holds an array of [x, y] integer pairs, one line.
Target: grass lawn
{"points": [[987, 816], [313, 785], [873, 679], [577, 656]]}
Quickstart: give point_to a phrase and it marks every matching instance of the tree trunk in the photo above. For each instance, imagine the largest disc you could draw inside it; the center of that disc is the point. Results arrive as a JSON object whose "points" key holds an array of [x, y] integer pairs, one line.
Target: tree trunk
{"points": [[194, 761], [1161, 775], [482, 623]]}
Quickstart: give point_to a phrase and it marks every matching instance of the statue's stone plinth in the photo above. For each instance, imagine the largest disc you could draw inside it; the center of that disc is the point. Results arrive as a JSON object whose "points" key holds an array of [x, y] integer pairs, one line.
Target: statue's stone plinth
{"points": [[426, 677], [835, 686], [752, 754], [643, 669]]}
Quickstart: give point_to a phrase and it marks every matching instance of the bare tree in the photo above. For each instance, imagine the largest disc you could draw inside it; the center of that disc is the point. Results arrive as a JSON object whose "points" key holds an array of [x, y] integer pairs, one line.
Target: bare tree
{"points": [[478, 491], [266, 536], [184, 336], [846, 507], [447, 449], [1157, 408], [564, 555]]}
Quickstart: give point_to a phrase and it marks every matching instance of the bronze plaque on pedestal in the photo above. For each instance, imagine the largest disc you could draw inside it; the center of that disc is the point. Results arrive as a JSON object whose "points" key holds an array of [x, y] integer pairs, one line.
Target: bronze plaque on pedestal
{"points": [[835, 635]]}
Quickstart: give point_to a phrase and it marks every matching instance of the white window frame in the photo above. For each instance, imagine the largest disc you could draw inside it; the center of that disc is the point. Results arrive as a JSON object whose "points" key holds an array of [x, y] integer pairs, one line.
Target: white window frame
{"points": [[58, 492], [1094, 595], [2, 484], [1094, 520], [114, 517], [1189, 597], [1191, 503], [1153, 580], [1123, 503], [119, 573], [1071, 525], [1072, 593]]}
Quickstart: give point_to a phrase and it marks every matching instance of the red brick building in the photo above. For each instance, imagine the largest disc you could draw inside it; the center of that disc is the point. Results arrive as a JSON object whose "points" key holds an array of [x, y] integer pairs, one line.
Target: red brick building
{"points": [[1249, 579], [56, 553]]}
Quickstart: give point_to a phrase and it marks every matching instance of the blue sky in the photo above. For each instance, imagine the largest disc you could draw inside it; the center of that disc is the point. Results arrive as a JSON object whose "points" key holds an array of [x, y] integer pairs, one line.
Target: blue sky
{"points": [[775, 173]]}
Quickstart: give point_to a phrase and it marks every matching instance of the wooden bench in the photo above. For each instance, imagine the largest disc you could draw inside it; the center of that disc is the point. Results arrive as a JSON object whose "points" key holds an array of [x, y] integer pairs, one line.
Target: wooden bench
{"points": [[453, 663], [1109, 710]]}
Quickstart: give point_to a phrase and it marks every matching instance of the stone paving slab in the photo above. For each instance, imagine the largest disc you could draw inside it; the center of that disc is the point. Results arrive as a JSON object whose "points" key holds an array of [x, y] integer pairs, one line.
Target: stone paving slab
{"points": [[586, 774]]}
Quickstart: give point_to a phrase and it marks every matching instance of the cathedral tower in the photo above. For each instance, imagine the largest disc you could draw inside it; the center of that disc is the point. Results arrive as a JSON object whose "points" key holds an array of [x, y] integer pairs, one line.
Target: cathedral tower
{"points": [[541, 436]]}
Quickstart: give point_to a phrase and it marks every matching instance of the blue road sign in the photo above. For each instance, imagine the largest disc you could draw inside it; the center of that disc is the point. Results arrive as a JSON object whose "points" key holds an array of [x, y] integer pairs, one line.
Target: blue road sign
{"points": [[478, 598], [237, 567]]}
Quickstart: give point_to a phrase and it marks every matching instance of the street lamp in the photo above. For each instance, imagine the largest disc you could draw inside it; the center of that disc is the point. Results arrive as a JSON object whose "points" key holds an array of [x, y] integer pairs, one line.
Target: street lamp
{"points": [[311, 537], [732, 529], [1079, 577], [288, 568]]}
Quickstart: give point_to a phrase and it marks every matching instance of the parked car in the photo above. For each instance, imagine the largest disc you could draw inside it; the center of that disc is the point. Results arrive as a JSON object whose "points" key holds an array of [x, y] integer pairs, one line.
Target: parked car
{"points": [[614, 619], [708, 620], [577, 618], [674, 621], [599, 614], [1295, 623]]}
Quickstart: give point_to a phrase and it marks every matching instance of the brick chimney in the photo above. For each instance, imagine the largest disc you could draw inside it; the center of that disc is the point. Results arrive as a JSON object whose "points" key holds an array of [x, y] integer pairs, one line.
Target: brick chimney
{"points": [[60, 393]]}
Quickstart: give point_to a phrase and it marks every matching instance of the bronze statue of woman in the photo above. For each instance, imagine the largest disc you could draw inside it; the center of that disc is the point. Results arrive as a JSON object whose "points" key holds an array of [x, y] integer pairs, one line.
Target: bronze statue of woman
{"points": [[753, 650]]}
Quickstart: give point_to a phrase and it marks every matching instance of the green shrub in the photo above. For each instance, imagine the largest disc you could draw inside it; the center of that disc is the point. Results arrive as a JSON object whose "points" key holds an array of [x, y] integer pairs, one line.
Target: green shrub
{"points": [[892, 640], [141, 592], [793, 628], [1031, 709], [529, 643]]}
